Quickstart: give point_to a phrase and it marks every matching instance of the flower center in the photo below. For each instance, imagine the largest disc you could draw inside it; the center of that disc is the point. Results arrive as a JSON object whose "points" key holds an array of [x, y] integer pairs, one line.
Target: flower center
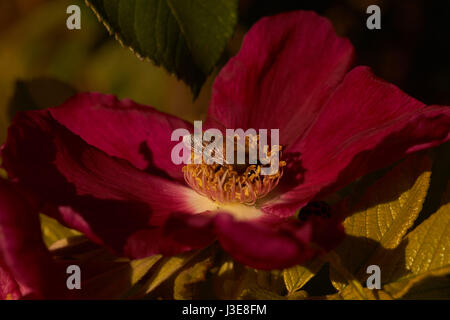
{"points": [[225, 183]]}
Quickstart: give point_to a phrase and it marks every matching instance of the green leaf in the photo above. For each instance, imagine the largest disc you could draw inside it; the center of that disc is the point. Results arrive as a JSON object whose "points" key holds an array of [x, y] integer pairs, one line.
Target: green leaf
{"points": [[339, 271], [426, 253], [350, 293], [434, 288], [117, 278], [257, 293], [186, 286], [141, 266], [105, 276], [186, 37], [167, 267], [414, 264], [232, 280], [383, 215], [52, 231], [296, 277], [298, 295], [413, 283]]}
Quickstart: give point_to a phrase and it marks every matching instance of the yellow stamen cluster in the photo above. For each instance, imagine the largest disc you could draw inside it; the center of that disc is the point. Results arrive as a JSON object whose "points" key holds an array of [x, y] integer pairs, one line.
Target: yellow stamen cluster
{"points": [[224, 183]]}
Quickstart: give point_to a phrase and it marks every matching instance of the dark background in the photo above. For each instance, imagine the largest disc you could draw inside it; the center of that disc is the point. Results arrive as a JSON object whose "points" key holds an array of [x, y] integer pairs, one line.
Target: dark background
{"points": [[412, 49]]}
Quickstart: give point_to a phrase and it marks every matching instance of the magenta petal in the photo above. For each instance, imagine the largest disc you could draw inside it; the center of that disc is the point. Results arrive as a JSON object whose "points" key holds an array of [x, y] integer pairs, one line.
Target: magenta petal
{"points": [[104, 197], [9, 289], [181, 232], [124, 129], [270, 243], [288, 66], [367, 124], [23, 251], [275, 246], [150, 241], [193, 230]]}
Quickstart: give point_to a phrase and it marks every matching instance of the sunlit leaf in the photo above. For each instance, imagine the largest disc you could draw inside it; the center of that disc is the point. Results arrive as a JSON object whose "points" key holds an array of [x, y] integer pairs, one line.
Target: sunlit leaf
{"points": [[76, 247], [430, 288], [296, 277], [117, 278], [381, 218], [104, 275], [262, 285], [257, 293], [186, 37], [233, 280], [167, 267], [141, 266], [229, 278], [52, 231], [414, 264], [186, 283], [349, 293], [426, 253], [298, 295], [260, 294], [347, 280]]}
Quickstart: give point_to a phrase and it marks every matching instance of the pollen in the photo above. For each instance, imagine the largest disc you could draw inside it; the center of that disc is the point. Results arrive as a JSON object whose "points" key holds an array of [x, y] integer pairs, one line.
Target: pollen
{"points": [[228, 183]]}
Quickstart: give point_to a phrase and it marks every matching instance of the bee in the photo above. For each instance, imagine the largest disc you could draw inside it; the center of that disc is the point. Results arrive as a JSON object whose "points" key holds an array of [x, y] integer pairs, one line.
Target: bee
{"points": [[198, 147], [209, 152]]}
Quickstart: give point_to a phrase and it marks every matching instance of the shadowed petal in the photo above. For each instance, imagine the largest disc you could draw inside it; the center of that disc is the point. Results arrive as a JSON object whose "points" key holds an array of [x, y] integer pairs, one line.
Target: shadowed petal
{"points": [[104, 197], [263, 243], [9, 289], [124, 129], [181, 232], [286, 243], [25, 257], [287, 67]]}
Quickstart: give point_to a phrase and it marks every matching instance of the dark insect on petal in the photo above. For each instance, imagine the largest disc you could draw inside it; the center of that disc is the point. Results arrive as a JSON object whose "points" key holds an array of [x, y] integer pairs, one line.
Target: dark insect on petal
{"points": [[315, 208]]}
